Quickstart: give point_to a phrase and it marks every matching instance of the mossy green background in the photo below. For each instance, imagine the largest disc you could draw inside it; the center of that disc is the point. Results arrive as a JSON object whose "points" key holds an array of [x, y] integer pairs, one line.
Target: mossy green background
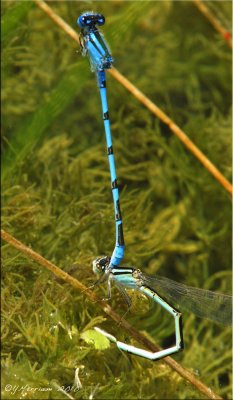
{"points": [[56, 194]]}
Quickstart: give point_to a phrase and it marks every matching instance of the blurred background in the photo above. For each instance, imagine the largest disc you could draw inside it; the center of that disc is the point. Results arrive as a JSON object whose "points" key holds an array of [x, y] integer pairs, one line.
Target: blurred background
{"points": [[56, 193]]}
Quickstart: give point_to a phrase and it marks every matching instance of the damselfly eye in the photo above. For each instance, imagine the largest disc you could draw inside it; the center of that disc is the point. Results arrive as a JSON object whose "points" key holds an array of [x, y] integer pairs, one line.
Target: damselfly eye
{"points": [[90, 19], [101, 20], [100, 264], [81, 21]]}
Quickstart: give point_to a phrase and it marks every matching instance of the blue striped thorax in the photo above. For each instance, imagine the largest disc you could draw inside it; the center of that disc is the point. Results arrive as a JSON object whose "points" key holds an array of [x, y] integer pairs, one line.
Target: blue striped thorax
{"points": [[93, 44], [92, 41]]}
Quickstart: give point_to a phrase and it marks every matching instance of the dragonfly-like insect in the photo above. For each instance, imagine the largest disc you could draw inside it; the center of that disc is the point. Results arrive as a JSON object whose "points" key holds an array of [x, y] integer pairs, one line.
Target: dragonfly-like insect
{"points": [[214, 306], [93, 44], [204, 303]]}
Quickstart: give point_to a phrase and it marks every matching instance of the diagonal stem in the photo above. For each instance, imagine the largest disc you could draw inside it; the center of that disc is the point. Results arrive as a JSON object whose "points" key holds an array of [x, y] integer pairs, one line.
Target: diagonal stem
{"points": [[214, 171], [174, 128], [214, 21], [184, 373]]}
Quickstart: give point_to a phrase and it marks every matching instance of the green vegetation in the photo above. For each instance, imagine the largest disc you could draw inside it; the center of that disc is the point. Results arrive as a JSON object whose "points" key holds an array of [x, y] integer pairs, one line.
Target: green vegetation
{"points": [[56, 195]]}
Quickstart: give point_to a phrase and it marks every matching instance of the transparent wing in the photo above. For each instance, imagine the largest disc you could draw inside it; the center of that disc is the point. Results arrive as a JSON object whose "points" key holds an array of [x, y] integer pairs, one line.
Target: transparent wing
{"points": [[203, 303]]}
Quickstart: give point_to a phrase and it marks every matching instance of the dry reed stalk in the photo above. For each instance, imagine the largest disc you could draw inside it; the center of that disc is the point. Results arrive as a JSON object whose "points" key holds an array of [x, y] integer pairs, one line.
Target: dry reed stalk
{"points": [[59, 273], [214, 171], [214, 21]]}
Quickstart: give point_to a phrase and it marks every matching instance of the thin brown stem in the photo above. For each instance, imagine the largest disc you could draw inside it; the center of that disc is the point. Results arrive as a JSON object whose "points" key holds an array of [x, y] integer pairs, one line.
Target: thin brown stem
{"points": [[180, 134], [174, 128], [214, 21], [59, 273], [58, 20]]}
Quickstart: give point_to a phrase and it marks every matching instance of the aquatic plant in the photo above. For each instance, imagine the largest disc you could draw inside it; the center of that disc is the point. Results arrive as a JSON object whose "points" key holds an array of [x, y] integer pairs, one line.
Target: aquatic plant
{"points": [[56, 196]]}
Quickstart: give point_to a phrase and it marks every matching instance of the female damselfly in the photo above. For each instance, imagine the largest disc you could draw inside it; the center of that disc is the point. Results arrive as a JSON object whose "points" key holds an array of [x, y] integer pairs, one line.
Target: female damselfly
{"points": [[206, 304]]}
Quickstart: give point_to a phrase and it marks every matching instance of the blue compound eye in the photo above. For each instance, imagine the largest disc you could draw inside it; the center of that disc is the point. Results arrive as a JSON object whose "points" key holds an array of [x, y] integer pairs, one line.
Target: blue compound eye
{"points": [[81, 21], [100, 20], [90, 20]]}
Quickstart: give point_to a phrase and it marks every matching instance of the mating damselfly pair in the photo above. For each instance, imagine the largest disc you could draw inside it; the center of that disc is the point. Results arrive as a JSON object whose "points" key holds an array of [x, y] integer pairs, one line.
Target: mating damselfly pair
{"points": [[204, 303]]}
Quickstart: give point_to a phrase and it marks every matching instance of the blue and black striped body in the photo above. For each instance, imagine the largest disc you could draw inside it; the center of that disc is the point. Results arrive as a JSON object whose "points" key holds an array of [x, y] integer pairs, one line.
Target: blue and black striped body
{"points": [[92, 41], [118, 252], [93, 44]]}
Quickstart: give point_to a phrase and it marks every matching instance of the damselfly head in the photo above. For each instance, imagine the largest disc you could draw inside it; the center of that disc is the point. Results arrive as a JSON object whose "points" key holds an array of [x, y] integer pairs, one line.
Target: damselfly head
{"points": [[100, 264], [90, 19]]}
